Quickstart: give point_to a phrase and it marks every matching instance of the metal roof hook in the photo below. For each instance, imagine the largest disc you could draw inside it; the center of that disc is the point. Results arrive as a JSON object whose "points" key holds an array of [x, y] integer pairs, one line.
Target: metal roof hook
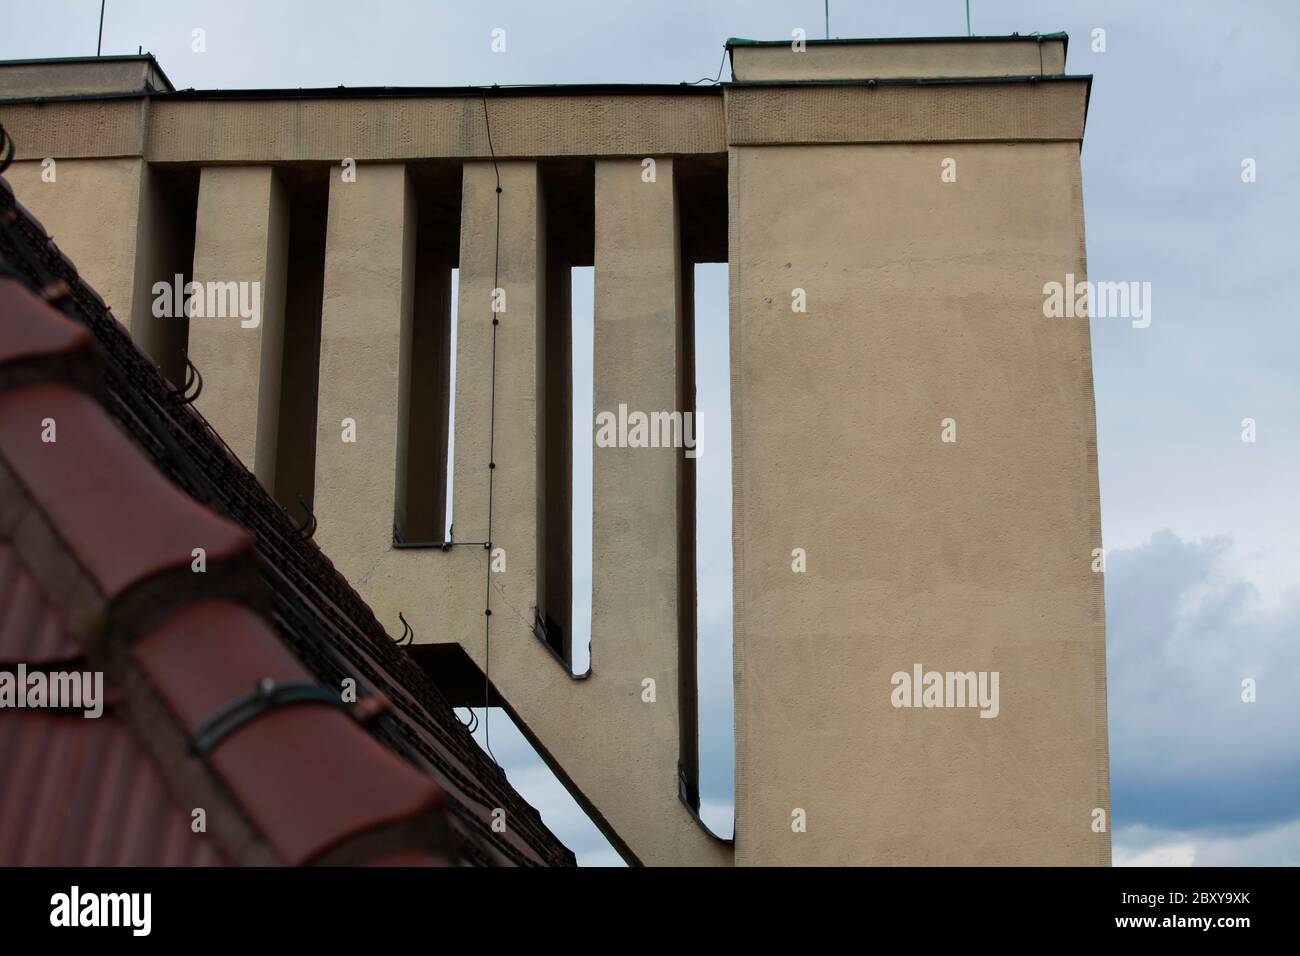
{"points": [[193, 379], [308, 527], [6, 149], [408, 633]]}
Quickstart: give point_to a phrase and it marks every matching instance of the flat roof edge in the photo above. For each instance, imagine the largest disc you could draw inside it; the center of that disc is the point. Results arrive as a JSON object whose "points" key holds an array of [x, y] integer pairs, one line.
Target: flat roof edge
{"points": [[432, 92], [110, 57], [921, 80], [380, 92], [373, 92], [1058, 35], [733, 42]]}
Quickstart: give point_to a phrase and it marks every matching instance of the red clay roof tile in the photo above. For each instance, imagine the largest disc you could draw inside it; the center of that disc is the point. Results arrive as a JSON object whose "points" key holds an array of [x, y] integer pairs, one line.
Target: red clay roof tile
{"points": [[28, 632], [122, 520], [307, 774]]}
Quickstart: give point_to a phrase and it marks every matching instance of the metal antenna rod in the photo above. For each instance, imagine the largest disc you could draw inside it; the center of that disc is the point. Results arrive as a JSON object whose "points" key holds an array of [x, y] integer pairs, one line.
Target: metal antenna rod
{"points": [[826, 6], [99, 45], [968, 33]]}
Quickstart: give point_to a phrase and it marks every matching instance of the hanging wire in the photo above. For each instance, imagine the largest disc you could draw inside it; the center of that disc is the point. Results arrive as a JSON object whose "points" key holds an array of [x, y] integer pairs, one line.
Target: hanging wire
{"points": [[716, 79], [492, 460]]}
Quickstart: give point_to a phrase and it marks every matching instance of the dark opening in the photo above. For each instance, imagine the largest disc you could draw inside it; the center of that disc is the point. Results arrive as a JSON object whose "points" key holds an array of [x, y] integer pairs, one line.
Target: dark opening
{"points": [[306, 189], [169, 204], [421, 517], [703, 629], [569, 188]]}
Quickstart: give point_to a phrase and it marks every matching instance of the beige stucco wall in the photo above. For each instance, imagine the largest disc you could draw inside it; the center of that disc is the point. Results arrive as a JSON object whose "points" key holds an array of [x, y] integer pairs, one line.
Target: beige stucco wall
{"points": [[242, 236], [123, 231], [92, 210], [924, 302], [860, 61]]}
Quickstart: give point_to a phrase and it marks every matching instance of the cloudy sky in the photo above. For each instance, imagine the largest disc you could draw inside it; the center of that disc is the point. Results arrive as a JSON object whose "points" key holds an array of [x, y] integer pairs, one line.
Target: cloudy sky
{"points": [[1201, 527]]}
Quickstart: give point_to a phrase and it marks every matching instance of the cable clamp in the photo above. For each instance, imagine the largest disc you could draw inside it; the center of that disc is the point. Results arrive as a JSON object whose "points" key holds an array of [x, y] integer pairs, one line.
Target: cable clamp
{"points": [[267, 696]]}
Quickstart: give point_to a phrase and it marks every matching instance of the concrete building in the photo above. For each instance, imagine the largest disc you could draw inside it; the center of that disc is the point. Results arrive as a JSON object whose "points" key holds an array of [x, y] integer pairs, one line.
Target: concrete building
{"points": [[914, 456]]}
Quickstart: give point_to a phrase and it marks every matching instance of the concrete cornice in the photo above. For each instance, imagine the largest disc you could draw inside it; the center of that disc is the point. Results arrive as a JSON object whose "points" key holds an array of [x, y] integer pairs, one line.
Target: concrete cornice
{"points": [[187, 128], [1009, 110], [83, 129], [452, 127], [164, 129]]}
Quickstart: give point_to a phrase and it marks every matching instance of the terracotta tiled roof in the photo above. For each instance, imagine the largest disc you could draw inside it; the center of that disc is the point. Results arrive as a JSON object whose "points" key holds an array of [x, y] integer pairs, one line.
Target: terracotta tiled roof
{"points": [[98, 535], [75, 791], [86, 793]]}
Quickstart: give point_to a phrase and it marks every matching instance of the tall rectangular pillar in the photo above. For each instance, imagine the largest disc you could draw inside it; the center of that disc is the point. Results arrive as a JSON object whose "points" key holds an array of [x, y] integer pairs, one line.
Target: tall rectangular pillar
{"points": [[365, 322], [241, 238], [637, 522], [915, 494]]}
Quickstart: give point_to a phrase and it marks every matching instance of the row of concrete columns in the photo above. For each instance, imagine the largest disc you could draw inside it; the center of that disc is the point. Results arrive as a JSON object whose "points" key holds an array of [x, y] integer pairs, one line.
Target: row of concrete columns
{"points": [[616, 735]]}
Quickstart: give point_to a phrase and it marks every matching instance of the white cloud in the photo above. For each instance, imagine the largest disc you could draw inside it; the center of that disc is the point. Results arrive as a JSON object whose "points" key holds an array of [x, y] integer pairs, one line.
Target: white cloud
{"points": [[1168, 854], [1144, 846], [1190, 758]]}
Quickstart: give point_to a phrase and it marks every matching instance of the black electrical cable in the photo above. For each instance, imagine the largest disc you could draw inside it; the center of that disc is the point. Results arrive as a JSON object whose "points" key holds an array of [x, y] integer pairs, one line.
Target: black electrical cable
{"points": [[492, 460], [717, 78]]}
